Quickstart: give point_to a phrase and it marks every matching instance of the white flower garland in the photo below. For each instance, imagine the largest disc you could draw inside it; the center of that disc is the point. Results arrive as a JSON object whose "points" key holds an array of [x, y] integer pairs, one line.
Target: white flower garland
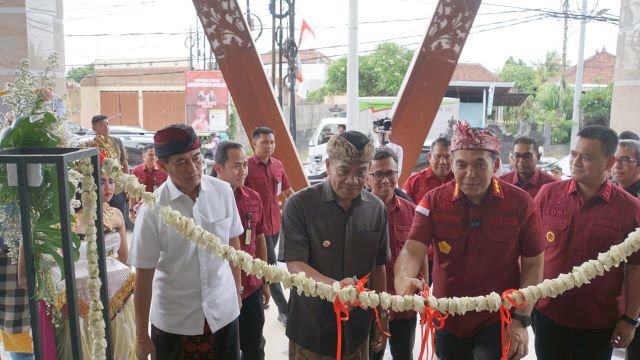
{"points": [[96, 321], [188, 229]]}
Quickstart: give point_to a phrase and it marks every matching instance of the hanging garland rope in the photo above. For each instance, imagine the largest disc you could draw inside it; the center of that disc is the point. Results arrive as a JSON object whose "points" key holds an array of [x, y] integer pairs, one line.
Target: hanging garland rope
{"points": [[493, 302]]}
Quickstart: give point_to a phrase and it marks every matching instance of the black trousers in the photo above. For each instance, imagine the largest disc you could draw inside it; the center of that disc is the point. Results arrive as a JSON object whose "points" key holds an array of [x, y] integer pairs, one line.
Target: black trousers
{"points": [[633, 350], [553, 341], [251, 325], [484, 345], [224, 344], [401, 342], [275, 288]]}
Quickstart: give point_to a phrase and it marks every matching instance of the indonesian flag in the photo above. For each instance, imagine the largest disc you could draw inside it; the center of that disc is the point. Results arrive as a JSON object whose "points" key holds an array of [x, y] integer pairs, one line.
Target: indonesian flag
{"points": [[423, 207], [301, 90]]}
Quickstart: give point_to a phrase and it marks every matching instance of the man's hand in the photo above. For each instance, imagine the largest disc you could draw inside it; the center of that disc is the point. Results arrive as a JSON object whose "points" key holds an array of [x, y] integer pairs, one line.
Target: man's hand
{"points": [[145, 348], [407, 286], [622, 334], [379, 340], [519, 341], [347, 281], [266, 294], [132, 216]]}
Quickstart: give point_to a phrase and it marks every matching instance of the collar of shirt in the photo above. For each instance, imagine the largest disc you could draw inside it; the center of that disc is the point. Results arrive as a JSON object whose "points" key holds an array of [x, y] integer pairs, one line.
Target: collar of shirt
{"points": [[241, 192], [533, 181], [328, 194], [634, 189], [395, 204], [154, 168], [258, 160], [175, 193], [494, 189], [604, 192]]}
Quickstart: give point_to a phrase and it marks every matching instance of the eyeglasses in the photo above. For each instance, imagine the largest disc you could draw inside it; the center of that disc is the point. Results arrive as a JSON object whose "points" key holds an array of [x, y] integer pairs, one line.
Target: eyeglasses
{"points": [[523, 156], [379, 176], [625, 160]]}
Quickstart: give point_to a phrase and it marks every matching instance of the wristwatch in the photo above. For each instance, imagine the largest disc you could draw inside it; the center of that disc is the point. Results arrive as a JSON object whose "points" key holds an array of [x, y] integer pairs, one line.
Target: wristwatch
{"points": [[524, 319], [631, 321], [240, 290]]}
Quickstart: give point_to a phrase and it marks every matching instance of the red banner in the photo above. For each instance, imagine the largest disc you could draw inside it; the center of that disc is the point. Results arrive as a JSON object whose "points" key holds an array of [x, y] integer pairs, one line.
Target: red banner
{"points": [[207, 100]]}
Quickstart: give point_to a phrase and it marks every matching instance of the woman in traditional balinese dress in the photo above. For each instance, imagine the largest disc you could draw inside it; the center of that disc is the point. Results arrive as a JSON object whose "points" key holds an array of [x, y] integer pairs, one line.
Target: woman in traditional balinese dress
{"points": [[120, 280]]}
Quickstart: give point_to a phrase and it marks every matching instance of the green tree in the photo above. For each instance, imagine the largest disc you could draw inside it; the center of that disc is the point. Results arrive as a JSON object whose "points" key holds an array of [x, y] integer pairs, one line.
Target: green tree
{"points": [[596, 106], [380, 73], [551, 66], [526, 77], [80, 72]]}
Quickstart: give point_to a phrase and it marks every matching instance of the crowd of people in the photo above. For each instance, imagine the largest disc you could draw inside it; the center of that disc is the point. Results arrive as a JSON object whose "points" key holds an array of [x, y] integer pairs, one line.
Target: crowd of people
{"points": [[456, 227]]}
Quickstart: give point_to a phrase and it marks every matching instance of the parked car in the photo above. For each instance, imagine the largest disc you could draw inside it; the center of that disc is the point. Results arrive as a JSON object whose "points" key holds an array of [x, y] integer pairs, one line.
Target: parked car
{"points": [[133, 139]]}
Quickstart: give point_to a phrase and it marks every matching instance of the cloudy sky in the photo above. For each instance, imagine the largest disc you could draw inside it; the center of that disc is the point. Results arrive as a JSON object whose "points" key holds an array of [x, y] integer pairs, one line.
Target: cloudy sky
{"points": [[503, 28]]}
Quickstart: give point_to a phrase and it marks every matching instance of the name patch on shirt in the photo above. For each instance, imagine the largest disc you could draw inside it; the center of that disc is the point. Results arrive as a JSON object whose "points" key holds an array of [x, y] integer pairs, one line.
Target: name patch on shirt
{"points": [[503, 220], [447, 219], [555, 212]]}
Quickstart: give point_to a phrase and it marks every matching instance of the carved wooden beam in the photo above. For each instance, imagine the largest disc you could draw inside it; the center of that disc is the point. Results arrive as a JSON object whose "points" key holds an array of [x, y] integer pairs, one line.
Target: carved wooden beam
{"points": [[427, 79], [238, 58]]}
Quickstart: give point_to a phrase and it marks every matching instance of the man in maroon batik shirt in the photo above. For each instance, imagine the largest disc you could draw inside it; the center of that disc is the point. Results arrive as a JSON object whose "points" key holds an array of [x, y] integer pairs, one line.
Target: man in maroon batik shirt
{"points": [[149, 174], [523, 159], [268, 178], [487, 238], [582, 217], [437, 173], [231, 166], [383, 179]]}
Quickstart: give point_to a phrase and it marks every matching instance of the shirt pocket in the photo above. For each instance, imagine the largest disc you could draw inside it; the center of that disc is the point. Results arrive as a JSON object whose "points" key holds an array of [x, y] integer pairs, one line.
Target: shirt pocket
{"points": [[448, 244], [501, 242], [219, 228], [603, 236], [555, 233]]}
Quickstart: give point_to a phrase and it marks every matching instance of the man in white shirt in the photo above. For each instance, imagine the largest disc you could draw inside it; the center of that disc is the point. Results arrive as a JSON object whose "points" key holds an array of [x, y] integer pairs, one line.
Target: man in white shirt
{"points": [[195, 304]]}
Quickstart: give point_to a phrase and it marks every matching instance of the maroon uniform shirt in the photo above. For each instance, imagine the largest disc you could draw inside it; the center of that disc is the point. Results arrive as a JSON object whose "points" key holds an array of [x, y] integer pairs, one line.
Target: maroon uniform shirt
{"points": [[250, 210], [477, 248], [534, 184], [418, 185], [151, 179], [269, 180], [399, 218], [576, 231]]}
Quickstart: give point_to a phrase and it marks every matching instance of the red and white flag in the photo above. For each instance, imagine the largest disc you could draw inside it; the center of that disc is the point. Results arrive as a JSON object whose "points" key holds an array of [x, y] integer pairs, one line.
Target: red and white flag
{"points": [[301, 90]]}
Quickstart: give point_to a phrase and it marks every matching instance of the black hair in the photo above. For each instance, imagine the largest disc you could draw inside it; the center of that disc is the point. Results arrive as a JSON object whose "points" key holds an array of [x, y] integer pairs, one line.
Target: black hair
{"points": [[628, 135], [262, 130], [442, 141], [148, 147], [222, 151], [356, 138], [382, 153], [97, 118], [525, 140], [607, 137]]}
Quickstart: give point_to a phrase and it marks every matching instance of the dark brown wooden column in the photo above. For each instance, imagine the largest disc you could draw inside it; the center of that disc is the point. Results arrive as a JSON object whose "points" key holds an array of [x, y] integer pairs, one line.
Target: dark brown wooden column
{"points": [[238, 58], [428, 76]]}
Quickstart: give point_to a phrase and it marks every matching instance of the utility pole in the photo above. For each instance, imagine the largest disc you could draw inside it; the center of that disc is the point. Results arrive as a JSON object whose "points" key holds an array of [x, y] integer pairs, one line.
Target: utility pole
{"points": [[563, 79], [578, 90], [353, 111], [293, 73]]}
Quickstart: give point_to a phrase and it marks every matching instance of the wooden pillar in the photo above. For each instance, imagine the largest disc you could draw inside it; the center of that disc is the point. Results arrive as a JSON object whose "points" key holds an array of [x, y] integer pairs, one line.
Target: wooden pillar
{"points": [[428, 77], [237, 56]]}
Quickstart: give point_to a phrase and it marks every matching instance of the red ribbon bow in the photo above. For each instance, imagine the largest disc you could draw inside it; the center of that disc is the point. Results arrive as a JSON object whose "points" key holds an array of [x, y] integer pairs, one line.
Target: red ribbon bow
{"points": [[505, 321], [430, 321]]}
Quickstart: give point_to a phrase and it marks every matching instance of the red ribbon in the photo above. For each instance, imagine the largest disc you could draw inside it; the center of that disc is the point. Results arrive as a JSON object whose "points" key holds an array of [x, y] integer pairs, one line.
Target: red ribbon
{"points": [[427, 325], [505, 321], [342, 312]]}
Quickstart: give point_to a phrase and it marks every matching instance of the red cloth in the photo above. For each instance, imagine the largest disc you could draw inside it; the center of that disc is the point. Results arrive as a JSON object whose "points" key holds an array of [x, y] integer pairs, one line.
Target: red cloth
{"points": [[264, 178], [534, 184], [151, 179], [418, 185], [477, 248], [467, 138], [399, 218], [250, 210], [576, 231]]}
